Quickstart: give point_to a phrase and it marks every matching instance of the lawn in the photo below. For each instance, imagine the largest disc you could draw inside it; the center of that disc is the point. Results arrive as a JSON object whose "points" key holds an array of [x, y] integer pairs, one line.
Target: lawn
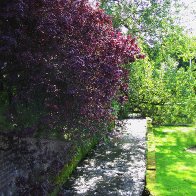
{"points": [[175, 167]]}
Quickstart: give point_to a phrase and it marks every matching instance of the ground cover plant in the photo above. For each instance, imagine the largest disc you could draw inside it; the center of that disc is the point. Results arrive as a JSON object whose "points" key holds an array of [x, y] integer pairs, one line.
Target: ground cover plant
{"points": [[175, 167]]}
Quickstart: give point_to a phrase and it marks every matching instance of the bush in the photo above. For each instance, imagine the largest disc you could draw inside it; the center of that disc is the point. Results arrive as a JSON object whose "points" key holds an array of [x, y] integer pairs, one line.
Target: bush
{"points": [[65, 55], [166, 94]]}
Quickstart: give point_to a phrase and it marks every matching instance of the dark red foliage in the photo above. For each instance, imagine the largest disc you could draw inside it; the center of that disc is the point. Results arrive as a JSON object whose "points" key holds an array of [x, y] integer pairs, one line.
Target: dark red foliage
{"points": [[65, 52]]}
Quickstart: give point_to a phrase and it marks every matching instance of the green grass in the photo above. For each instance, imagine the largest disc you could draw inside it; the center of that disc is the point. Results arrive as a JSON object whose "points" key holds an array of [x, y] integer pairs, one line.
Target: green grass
{"points": [[175, 167]]}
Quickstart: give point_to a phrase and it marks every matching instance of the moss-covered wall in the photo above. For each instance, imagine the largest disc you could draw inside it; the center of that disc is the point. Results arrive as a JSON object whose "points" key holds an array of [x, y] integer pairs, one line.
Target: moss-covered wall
{"points": [[151, 161], [80, 154]]}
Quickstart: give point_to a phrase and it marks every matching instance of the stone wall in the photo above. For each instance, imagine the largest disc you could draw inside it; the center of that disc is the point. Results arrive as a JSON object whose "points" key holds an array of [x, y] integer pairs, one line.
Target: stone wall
{"points": [[30, 163]]}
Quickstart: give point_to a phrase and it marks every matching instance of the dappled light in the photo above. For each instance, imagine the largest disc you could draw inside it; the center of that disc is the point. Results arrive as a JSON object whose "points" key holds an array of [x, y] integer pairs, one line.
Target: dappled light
{"points": [[97, 97], [117, 167]]}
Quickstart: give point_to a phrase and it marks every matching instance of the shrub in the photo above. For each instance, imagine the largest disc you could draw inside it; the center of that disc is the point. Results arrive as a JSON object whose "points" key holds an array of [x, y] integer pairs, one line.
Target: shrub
{"points": [[66, 55]]}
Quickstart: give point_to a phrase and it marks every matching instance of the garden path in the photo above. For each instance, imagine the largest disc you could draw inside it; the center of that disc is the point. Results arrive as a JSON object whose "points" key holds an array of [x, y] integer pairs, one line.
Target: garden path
{"points": [[114, 168]]}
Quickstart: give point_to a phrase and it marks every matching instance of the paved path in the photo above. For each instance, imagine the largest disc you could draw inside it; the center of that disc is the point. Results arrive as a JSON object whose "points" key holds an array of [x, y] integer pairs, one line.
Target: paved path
{"points": [[116, 168]]}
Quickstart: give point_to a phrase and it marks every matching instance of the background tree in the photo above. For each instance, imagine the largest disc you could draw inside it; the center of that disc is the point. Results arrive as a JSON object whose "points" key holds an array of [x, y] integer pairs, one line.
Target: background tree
{"points": [[147, 20], [163, 84]]}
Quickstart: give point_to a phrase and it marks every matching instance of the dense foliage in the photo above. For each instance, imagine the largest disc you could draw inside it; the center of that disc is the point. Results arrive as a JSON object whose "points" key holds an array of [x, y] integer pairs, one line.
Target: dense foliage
{"points": [[66, 56], [166, 94], [162, 85], [145, 19]]}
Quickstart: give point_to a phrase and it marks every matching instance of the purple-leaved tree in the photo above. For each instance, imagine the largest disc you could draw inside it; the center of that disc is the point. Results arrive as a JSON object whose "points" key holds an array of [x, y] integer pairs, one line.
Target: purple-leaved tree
{"points": [[66, 54]]}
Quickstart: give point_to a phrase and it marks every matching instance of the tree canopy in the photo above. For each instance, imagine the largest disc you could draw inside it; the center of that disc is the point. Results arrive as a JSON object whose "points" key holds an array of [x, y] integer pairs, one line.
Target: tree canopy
{"points": [[65, 55], [162, 85]]}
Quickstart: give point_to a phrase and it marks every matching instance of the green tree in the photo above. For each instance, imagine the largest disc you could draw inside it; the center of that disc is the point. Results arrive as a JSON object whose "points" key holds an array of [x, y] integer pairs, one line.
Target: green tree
{"points": [[144, 19], [163, 84]]}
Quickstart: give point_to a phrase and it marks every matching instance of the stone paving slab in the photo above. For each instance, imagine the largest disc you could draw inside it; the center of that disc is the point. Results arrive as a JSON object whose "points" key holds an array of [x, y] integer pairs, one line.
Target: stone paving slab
{"points": [[115, 168]]}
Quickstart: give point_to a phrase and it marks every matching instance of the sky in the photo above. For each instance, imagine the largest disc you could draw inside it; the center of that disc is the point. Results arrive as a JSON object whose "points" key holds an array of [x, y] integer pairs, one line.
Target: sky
{"points": [[188, 15]]}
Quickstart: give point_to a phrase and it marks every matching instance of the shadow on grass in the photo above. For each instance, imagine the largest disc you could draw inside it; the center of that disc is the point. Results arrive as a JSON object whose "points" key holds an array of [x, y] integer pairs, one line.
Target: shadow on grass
{"points": [[176, 167]]}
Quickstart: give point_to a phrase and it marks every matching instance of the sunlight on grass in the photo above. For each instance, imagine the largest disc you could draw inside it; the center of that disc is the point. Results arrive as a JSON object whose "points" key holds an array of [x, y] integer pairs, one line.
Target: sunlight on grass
{"points": [[175, 167]]}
